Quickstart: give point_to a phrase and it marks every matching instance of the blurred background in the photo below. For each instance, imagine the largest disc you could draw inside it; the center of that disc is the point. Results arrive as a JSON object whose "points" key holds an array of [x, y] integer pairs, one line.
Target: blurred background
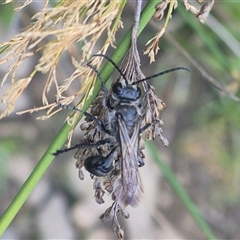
{"points": [[202, 125]]}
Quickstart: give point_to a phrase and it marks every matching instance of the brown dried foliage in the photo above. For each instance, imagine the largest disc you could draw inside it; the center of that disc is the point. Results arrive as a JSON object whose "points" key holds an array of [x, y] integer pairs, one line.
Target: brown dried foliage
{"points": [[201, 15], [64, 25]]}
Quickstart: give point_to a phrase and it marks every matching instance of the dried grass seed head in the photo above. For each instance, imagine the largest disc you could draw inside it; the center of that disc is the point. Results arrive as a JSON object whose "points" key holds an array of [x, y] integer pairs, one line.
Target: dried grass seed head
{"points": [[201, 15], [53, 32]]}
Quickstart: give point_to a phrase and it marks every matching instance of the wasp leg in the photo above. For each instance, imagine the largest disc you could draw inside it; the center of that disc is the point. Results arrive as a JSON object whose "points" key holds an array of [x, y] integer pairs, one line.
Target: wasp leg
{"points": [[141, 163], [87, 145], [147, 126], [100, 165], [100, 124]]}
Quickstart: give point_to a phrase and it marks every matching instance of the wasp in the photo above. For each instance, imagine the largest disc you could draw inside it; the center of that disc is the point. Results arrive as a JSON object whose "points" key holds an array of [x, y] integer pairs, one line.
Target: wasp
{"points": [[121, 132]]}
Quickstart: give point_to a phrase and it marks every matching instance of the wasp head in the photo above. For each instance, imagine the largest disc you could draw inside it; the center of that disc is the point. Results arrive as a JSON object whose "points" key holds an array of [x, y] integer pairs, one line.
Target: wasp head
{"points": [[127, 92]]}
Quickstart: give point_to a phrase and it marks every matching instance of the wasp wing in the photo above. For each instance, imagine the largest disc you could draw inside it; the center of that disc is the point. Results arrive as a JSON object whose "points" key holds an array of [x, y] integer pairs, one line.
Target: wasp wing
{"points": [[128, 187]]}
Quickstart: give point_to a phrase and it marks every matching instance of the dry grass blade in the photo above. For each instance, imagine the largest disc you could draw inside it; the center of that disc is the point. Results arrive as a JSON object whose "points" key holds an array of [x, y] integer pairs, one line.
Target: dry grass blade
{"points": [[153, 49], [201, 15], [52, 33], [12, 94], [204, 11], [27, 2], [160, 8]]}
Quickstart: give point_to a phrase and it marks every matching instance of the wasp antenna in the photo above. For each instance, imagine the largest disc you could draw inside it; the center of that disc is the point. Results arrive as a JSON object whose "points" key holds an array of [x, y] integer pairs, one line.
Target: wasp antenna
{"points": [[162, 73], [113, 63], [69, 107], [100, 78]]}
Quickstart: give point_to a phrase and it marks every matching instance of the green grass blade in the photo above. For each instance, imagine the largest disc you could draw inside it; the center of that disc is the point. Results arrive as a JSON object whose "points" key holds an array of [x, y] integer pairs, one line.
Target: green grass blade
{"points": [[181, 193], [6, 14], [4, 48]]}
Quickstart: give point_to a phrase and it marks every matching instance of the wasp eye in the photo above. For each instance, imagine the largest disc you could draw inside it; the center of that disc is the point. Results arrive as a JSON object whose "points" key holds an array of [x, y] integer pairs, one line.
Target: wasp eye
{"points": [[138, 94], [117, 88]]}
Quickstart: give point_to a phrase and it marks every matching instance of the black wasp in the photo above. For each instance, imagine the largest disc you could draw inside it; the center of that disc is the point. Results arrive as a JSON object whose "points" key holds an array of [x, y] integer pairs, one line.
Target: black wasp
{"points": [[124, 103]]}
